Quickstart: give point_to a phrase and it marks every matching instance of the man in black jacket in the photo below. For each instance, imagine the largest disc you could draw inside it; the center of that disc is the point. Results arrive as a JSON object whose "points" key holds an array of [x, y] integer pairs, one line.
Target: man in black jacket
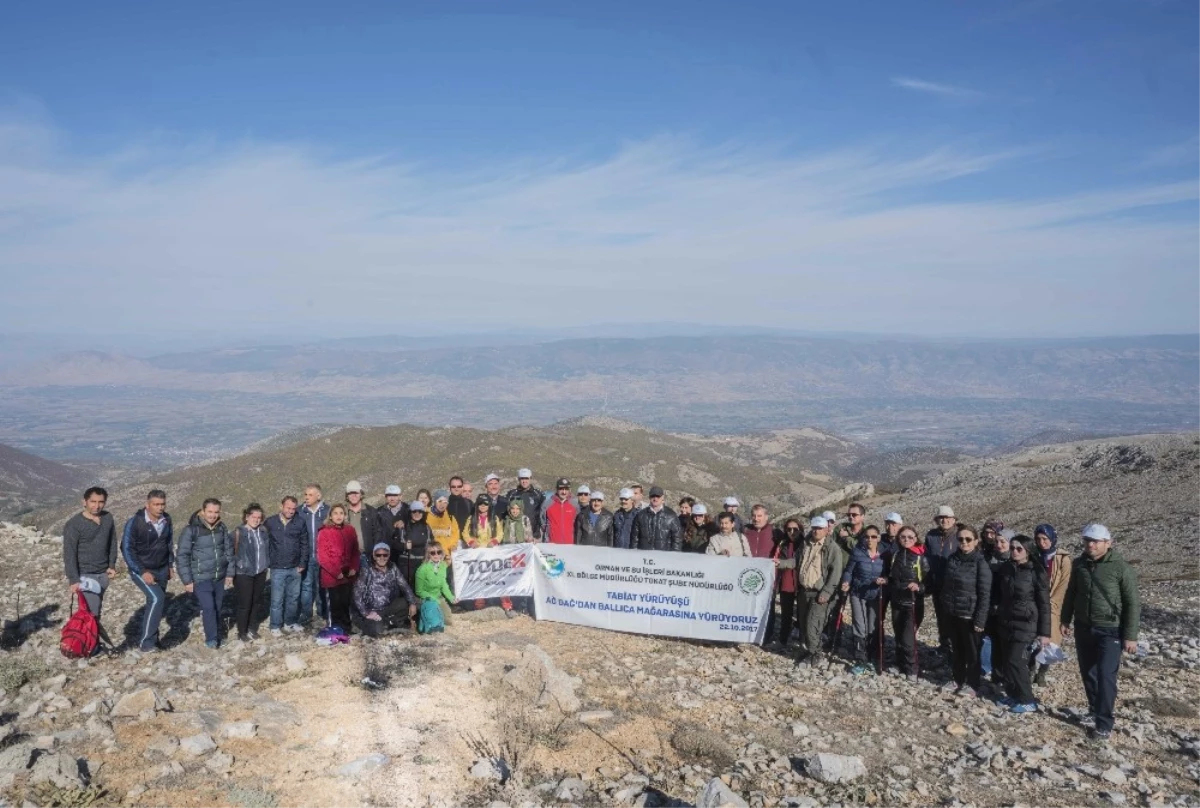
{"points": [[656, 527], [148, 547], [531, 500], [595, 525], [289, 552]]}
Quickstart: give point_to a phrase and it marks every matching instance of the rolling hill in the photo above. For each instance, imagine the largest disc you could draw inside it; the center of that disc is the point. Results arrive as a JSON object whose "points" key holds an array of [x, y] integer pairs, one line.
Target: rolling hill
{"points": [[28, 482], [786, 469]]}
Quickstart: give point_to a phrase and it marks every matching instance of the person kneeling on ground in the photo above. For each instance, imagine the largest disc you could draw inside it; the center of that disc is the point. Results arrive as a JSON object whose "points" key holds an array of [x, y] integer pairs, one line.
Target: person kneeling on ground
{"points": [[381, 595], [433, 591]]}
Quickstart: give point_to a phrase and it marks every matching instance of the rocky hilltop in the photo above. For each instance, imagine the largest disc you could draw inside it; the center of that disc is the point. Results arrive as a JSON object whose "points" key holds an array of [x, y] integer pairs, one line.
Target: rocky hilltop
{"points": [[1144, 488], [525, 713]]}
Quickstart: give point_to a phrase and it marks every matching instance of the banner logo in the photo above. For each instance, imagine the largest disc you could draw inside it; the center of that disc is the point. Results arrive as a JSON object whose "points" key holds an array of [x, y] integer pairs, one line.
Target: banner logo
{"points": [[751, 581], [553, 565]]}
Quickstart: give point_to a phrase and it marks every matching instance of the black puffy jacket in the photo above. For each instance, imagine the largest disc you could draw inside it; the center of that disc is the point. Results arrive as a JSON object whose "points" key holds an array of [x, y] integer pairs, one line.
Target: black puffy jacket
{"points": [[205, 553], [657, 531], [966, 587], [1022, 595], [598, 535], [907, 568]]}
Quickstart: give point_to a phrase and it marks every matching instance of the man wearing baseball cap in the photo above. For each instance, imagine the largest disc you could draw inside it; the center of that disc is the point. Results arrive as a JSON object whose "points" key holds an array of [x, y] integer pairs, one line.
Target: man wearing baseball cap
{"points": [[656, 527], [361, 517], [1103, 611], [391, 517], [560, 515], [531, 500], [623, 518], [940, 543], [491, 490], [583, 496]]}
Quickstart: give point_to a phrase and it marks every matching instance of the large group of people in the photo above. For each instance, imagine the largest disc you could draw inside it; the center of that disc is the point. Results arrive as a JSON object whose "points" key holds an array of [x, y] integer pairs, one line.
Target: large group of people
{"points": [[1001, 600]]}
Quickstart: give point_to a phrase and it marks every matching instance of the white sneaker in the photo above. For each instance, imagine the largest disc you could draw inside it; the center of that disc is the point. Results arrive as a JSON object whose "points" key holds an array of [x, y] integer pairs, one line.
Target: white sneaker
{"points": [[276, 633], [293, 629]]}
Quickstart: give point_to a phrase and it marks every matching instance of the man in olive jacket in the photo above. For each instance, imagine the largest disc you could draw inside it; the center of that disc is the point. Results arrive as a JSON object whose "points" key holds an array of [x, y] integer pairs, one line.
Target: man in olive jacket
{"points": [[1102, 609], [817, 568]]}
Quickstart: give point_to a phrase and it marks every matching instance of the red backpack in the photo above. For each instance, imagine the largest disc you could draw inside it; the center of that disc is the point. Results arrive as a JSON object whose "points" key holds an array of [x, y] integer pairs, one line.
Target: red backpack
{"points": [[80, 634]]}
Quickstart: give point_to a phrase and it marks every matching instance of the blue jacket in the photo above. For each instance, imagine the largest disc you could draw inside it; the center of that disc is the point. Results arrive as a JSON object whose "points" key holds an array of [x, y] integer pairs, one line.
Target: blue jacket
{"points": [[862, 570], [141, 546], [312, 521], [289, 544], [623, 528]]}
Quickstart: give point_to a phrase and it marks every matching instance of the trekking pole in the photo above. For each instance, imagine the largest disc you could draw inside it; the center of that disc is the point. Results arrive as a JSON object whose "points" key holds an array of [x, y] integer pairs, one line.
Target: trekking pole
{"points": [[879, 669]]}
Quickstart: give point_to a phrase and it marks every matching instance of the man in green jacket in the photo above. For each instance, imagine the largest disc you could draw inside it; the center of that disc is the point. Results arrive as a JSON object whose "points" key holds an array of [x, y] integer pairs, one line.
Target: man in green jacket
{"points": [[1102, 609]]}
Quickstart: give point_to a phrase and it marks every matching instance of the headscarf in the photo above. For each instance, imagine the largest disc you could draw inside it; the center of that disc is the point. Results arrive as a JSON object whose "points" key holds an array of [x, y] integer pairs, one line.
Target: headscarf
{"points": [[438, 496], [1052, 535], [514, 526]]}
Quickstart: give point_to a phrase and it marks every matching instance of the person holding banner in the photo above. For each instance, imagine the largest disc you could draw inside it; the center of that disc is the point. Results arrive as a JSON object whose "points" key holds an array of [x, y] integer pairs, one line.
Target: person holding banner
{"points": [[515, 528], [727, 542], [594, 526], [817, 573]]}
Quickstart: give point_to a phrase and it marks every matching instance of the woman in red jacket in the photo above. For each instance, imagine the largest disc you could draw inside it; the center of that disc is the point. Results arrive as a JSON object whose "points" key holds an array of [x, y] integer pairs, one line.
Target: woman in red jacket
{"points": [[337, 553]]}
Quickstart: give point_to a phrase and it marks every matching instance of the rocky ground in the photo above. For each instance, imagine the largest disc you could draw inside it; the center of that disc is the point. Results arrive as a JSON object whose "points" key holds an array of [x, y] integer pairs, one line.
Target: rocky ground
{"points": [[515, 712]]}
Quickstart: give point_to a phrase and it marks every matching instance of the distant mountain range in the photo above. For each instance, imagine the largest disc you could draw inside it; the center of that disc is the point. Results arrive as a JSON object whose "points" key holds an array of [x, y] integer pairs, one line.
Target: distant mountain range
{"points": [[888, 393]]}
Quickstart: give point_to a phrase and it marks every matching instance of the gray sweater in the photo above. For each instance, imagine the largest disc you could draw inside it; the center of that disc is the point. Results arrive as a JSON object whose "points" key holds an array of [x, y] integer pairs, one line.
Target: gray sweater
{"points": [[89, 548]]}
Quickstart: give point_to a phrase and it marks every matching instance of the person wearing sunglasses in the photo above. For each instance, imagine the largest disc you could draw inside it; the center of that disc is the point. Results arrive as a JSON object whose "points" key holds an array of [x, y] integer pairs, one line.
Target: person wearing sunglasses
{"points": [[789, 541], [433, 590], [1022, 597], [863, 579], [1102, 610], [907, 579], [966, 597], [381, 595]]}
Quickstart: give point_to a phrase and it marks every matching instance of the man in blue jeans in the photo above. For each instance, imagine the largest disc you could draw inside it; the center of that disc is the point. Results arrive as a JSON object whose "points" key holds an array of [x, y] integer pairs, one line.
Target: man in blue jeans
{"points": [[148, 549], [1102, 609], [312, 514], [288, 552]]}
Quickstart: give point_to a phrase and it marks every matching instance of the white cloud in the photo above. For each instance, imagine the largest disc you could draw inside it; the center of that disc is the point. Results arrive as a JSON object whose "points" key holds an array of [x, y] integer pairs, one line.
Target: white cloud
{"points": [[1173, 155], [274, 237], [934, 88]]}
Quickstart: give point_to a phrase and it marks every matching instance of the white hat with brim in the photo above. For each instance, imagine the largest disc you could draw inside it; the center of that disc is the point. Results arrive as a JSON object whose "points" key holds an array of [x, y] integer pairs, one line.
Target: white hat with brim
{"points": [[392, 491], [354, 487], [1097, 532], [893, 517], [597, 495], [699, 509], [818, 522], [945, 510], [731, 502], [524, 474]]}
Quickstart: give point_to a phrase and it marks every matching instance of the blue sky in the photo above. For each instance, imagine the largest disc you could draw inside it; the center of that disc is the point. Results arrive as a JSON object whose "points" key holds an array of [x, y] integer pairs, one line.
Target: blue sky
{"points": [[737, 160]]}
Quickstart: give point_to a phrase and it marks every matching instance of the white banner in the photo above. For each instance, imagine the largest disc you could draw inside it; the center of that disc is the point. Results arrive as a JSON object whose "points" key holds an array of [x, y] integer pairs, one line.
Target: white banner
{"points": [[703, 597], [502, 571]]}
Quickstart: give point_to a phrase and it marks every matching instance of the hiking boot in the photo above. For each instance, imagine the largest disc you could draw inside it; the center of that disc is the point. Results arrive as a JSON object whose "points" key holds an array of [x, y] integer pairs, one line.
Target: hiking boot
{"points": [[1006, 702], [950, 687], [252, 635], [1099, 735], [1022, 709], [276, 633], [243, 638], [1088, 721], [967, 692]]}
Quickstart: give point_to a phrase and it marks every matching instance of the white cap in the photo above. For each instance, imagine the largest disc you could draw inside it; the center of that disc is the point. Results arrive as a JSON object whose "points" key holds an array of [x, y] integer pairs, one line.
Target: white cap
{"points": [[731, 501], [597, 495], [818, 522], [392, 491], [945, 510], [829, 516], [583, 489], [893, 517], [1097, 531], [490, 477], [625, 493], [699, 510], [417, 506], [354, 487], [524, 473]]}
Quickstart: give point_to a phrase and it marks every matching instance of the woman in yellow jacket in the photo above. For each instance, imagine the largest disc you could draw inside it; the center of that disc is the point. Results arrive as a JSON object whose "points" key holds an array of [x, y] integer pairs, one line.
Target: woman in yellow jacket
{"points": [[1058, 570], [444, 527]]}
